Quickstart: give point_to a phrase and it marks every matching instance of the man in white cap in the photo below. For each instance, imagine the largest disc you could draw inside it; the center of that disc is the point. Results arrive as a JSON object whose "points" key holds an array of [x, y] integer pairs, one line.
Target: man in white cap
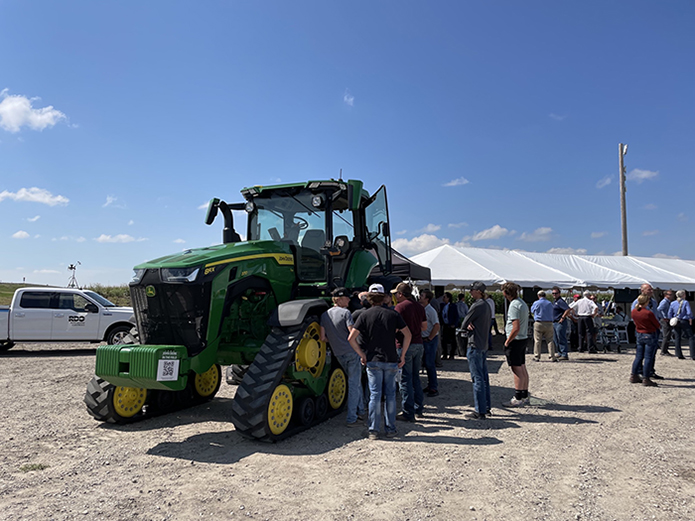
{"points": [[377, 327]]}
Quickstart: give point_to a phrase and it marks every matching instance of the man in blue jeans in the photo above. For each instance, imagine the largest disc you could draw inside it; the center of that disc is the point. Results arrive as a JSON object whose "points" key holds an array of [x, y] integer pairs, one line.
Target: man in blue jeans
{"points": [[335, 327], [561, 311], [477, 322], [377, 327], [411, 388], [430, 340]]}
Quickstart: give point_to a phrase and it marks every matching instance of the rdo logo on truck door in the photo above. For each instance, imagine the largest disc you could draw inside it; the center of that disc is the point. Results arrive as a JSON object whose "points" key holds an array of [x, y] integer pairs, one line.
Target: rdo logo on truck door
{"points": [[76, 320]]}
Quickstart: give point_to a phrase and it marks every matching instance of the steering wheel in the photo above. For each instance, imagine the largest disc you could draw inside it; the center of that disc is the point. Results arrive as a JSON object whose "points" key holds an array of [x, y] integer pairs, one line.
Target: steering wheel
{"points": [[301, 222]]}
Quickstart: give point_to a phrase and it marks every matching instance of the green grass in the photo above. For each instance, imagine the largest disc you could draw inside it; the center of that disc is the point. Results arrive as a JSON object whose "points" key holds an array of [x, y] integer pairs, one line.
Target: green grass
{"points": [[119, 295], [30, 467]]}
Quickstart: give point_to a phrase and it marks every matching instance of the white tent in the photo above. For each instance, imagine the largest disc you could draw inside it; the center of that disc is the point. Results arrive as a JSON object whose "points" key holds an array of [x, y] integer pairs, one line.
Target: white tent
{"points": [[461, 266]]}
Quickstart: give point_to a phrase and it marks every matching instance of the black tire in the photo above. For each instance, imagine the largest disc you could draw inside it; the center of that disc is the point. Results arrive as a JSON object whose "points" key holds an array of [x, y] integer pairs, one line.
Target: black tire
{"points": [[118, 335], [235, 373], [5, 345], [99, 399], [306, 411], [321, 406]]}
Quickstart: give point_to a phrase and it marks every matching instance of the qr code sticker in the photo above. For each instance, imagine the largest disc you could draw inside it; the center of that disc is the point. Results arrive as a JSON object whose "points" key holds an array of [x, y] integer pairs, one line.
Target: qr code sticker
{"points": [[167, 370]]}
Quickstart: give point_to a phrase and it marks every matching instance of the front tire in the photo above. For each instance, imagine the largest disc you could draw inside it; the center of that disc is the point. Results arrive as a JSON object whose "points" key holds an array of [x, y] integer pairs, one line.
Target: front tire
{"points": [[118, 335], [109, 403], [5, 345]]}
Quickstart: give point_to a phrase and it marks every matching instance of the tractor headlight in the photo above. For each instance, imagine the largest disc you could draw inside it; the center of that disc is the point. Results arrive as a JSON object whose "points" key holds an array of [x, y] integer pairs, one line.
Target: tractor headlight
{"points": [[317, 201], [250, 207], [137, 276], [179, 274]]}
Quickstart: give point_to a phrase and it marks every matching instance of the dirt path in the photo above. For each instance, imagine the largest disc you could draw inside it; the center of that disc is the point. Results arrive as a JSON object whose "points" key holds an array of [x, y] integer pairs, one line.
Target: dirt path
{"points": [[591, 446]]}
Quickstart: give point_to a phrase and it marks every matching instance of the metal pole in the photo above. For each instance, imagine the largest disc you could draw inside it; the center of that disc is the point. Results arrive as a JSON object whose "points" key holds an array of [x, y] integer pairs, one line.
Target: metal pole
{"points": [[623, 205]]}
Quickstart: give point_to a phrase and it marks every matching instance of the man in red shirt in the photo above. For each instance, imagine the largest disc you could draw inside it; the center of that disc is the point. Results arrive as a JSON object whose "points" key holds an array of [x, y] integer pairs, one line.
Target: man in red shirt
{"points": [[411, 388]]}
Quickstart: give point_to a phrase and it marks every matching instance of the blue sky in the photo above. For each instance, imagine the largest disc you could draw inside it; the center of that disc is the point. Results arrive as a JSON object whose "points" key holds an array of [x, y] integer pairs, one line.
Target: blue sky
{"points": [[492, 124]]}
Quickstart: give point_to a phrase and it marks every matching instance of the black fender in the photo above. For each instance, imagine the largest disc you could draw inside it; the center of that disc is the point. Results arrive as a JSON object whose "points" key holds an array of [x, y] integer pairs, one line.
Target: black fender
{"points": [[294, 312]]}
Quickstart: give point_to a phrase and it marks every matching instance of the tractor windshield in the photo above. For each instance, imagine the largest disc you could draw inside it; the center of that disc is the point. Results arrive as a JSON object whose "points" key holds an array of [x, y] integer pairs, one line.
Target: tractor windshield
{"points": [[282, 216]]}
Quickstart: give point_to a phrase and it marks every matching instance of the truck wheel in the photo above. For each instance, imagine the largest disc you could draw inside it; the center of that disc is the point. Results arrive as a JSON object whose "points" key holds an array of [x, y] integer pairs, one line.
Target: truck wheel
{"points": [[5, 345], [106, 402], [235, 373], [118, 335], [206, 384]]}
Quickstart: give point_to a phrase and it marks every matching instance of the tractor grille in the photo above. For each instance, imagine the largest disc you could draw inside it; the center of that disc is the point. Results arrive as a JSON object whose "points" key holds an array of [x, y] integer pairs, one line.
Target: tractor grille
{"points": [[177, 314]]}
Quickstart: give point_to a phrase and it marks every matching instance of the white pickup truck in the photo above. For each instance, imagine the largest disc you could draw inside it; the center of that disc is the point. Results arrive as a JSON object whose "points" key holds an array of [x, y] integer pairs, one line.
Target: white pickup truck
{"points": [[62, 315]]}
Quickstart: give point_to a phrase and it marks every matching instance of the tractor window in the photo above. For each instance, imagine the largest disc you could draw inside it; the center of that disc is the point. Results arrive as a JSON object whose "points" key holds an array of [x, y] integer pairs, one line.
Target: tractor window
{"points": [[342, 225], [377, 220], [288, 217]]}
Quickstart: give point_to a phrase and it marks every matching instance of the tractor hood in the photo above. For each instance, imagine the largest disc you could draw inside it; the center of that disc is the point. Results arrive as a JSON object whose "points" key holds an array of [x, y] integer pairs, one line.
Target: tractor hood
{"points": [[222, 254]]}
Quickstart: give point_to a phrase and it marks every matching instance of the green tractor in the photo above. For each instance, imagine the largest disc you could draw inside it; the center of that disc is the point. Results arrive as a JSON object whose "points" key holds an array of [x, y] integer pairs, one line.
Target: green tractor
{"points": [[252, 305]]}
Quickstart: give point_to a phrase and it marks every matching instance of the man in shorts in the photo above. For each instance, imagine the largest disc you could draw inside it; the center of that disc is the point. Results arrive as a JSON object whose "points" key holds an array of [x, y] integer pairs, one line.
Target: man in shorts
{"points": [[516, 329]]}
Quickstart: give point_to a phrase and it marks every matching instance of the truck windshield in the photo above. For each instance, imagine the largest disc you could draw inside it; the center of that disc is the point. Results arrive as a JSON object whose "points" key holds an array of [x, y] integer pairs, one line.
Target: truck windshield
{"points": [[101, 300], [281, 216]]}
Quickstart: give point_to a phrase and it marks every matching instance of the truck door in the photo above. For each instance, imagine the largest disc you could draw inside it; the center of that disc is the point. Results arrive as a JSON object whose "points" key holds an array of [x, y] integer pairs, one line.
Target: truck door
{"points": [[32, 317], [376, 215], [72, 319]]}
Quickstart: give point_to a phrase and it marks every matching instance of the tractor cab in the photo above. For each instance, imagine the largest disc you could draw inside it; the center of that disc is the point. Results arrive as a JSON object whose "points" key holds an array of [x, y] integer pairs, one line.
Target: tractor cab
{"points": [[336, 231]]}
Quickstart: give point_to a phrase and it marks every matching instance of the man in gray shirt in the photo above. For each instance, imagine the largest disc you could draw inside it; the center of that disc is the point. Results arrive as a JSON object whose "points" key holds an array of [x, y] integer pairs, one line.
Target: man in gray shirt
{"points": [[336, 324], [477, 321]]}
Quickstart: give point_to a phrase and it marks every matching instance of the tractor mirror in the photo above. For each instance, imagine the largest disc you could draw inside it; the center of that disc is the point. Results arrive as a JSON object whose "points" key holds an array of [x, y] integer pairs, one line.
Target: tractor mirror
{"points": [[212, 211]]}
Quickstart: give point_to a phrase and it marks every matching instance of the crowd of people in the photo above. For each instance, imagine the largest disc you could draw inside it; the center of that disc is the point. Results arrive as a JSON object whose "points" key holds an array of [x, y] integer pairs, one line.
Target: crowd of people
{"points": [[394, 336]]}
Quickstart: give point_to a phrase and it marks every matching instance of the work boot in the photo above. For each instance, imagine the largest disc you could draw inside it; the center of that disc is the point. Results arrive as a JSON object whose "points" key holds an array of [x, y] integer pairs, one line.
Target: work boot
{"points": [[649, 383], [634, 379]]}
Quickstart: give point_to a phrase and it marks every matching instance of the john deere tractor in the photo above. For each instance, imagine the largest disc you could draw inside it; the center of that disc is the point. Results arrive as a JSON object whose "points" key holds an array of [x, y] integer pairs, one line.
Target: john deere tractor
{"points": [[253, 305]]}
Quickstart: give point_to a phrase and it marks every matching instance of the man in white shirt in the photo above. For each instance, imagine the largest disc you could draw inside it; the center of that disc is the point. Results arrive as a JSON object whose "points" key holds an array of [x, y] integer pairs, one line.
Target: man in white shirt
{"points": [[585, 310]]}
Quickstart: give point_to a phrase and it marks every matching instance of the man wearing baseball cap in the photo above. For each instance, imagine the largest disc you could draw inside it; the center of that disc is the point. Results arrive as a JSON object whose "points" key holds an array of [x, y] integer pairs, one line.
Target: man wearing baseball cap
{"points": [[377, 327], [477, 322], [335, 327]]}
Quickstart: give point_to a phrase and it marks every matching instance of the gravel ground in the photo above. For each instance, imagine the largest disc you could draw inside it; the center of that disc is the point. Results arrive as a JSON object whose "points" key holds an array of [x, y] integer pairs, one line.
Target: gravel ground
{"points": [[590, 446]]}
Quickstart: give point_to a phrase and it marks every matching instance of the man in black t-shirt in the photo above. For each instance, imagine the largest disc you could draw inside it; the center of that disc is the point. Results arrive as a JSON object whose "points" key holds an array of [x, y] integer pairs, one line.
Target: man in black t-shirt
{"points": [[377, 327]]}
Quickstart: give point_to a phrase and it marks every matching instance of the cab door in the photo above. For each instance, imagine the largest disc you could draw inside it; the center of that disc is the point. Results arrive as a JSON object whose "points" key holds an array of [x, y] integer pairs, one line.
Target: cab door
{"points": [[32, 317], [75, 318], [376, 214]]}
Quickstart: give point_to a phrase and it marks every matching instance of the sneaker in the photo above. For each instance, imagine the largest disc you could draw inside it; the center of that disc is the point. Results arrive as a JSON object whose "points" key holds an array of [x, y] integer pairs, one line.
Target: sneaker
{"points": [[392, 434], [563, 357], [656, 377], [402, 417], [514, 402], [474, 416], [356, 423], [536, 358], [432, 394], [554, 359], [373, 435], [419, 414], [489, 412], [427, 390]]}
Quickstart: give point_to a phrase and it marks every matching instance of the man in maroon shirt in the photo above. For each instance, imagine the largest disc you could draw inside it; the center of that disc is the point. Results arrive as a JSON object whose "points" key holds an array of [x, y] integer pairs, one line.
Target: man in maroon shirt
{"points": [[411, 388], [647, 331]]}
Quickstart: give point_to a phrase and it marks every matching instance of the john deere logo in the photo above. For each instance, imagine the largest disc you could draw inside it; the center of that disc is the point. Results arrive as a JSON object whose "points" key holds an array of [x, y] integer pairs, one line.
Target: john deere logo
{"points": [[150, 292]]}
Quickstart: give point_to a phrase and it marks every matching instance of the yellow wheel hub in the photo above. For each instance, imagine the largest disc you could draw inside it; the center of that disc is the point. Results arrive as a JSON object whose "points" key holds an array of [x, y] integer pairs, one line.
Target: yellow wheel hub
{"points": [[128, 401], [337, 387], [311, 352], [206, 383], [280, 409]]}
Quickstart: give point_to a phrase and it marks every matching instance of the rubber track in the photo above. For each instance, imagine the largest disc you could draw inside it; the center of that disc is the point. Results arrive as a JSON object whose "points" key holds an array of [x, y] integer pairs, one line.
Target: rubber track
{"points": [[249, 408]]}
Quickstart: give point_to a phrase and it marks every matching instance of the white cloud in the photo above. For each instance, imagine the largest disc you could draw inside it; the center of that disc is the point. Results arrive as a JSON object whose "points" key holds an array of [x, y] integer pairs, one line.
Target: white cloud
{"points": [[131, 222], [462, 244], [204, 206], [21, 234], [80, 239], [402, 232], [604, 182], [47, 271], [539, 234], [17, 112], [457, 225], [568, 251], [682, 217], [460, 181], [34, 219], [650, 206], [597, 235], [431, 228], [109, 201], [664, 256], [491, 233], [348, 98], [647, 233], [115, 238], [638, 175], [34, 195], [556, 117], [418, 244], [179, 241]]}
